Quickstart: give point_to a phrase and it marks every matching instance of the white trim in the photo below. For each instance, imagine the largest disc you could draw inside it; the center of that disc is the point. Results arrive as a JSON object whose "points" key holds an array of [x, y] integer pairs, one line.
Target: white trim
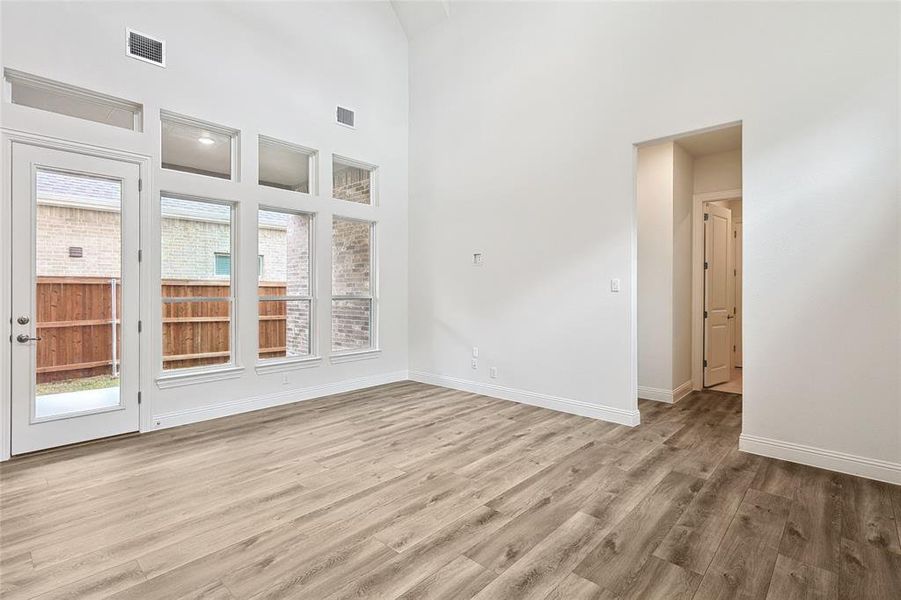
{"points": [[664, 395], [194, 376], [225, 409], [277, 365], [841, 462], [567, 405], [354, 355], [682, 391]]}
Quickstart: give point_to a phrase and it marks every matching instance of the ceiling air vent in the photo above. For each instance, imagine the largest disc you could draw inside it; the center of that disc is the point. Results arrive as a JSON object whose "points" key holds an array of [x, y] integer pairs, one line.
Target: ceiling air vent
{"points": [[143, 47], [345, 117]]}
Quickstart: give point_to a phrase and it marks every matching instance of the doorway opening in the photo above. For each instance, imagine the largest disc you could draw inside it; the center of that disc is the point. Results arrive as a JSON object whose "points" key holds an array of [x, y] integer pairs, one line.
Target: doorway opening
{"points": [[689, 272]]}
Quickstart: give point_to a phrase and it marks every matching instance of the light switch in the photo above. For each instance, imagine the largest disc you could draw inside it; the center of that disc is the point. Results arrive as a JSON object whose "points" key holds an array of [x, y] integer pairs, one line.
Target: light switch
{"points": [[614, 285], [477, 259]]}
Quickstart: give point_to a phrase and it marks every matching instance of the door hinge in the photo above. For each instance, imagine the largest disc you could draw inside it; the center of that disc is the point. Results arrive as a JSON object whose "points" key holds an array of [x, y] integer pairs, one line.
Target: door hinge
{"points": [[735, 272], [139, 397], [734, 234], [140, 255], [705, 314], [705, 265], [734, 348], [140, 185], [705, 362], [140, 326]]}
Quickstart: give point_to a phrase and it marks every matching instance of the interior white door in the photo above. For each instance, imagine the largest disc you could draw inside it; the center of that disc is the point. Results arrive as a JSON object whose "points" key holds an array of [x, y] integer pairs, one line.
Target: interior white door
{"points": [[75, 297], [717, 295], [736, 243]]}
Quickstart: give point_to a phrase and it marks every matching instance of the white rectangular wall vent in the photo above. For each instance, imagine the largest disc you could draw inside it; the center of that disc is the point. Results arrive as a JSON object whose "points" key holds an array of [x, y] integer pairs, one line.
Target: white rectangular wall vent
{"points": [[345, 117], [146, 48]]}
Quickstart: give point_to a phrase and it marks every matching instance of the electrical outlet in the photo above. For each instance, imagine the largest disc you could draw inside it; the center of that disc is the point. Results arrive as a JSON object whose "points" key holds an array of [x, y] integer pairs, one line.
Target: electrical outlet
{"points": [[285, 380], [492, 372], [477, 259], [614, 285], [474, 363], [475, 351]]}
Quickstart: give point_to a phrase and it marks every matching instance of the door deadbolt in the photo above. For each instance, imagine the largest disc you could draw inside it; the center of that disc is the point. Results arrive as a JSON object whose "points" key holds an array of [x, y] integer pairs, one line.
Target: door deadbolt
{"points": [[23, 320]]}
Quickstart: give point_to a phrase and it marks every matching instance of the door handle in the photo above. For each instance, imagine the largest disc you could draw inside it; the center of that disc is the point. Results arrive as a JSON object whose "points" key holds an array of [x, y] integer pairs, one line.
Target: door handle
{"points": [[24, 338], [730, 316]]}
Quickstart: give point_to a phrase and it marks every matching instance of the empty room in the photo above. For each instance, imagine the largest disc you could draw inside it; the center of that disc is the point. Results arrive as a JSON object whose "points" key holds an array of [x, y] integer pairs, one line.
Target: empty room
{"points": [[446, 299]]}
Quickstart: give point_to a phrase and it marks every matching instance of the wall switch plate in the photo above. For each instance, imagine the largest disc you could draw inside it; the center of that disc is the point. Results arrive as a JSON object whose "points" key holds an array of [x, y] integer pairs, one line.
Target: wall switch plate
{"points": [[475, 351], [474, 363], [492, 372], [614, 285]]}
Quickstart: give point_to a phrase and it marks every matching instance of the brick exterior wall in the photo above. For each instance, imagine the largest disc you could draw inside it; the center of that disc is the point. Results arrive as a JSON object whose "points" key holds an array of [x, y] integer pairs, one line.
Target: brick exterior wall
{"points": [[352, 184], [351, 266], [296, 252], [96, 232]]}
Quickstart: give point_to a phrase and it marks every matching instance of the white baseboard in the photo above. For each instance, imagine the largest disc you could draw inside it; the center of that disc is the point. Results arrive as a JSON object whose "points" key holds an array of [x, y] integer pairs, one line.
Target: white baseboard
{"points": [[567, 405], [664, 395], [851, 464], [682, 391], [225, 409]]}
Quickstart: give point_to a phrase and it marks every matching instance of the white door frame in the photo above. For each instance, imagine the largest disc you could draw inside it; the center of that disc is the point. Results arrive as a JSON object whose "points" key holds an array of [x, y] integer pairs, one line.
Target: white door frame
{"points": [[7, 138], [697, 280]]}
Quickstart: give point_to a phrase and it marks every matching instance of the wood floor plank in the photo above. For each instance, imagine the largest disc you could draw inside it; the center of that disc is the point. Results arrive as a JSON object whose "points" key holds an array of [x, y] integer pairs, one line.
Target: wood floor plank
{"points": [[867, 513], [744, 563], [414, 491], [615, 561], [814, 528], [544, 567], [868, 571], [793, 580], [460, 579], [693, 541]]}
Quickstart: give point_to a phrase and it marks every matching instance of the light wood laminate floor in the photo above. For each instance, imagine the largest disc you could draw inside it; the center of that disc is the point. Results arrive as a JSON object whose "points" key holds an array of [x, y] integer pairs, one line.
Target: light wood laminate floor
{"points": [[412, 491]]}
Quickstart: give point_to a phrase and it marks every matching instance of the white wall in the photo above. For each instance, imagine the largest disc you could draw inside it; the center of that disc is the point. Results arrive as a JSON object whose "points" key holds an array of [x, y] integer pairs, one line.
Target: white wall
{"points": [[654, 193], [523, 120], [683, 169], [273, 68], [717, 172]]}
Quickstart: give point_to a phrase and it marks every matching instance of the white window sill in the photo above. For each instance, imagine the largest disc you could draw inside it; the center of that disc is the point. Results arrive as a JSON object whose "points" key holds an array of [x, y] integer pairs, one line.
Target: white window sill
{"points": [[172, 380], [290, 364], [354, 356]]}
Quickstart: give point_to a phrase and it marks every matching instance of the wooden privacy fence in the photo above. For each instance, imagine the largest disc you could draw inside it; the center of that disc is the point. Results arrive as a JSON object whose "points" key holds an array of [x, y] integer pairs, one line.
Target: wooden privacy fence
{"points": [[76, 318]]}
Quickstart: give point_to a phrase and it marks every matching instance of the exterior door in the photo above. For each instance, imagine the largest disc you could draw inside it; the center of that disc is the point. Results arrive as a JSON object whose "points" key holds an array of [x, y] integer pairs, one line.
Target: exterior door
{"points": [[75, 297], [717, 295], [736, 249]]}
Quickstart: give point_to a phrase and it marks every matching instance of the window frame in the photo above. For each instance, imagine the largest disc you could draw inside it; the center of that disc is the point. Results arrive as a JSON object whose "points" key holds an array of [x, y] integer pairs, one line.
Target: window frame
{"points": [[277, 363], [233, 134], [312, 163], [214, 371], [336, 356], [359, 164]]}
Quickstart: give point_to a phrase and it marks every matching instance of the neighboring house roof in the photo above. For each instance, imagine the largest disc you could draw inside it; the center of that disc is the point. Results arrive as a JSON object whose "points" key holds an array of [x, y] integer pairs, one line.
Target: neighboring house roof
{"points": [[93, 193]]}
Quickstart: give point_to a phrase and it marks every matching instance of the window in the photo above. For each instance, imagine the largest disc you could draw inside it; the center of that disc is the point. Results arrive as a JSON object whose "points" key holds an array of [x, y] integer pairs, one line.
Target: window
{"points": [[352, 285], [198, 303], [64, 99], [195, 146], [352, 180], [223, 264], [285, 285], [286, 166]]}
